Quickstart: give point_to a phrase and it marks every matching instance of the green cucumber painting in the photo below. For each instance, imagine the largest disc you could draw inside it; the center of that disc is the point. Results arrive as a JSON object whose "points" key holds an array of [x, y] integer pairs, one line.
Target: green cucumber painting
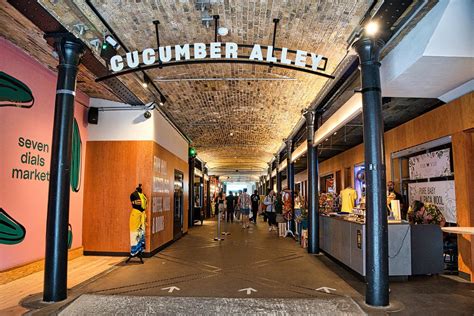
{"points": [[76, 158], [11, 232], [15, 93]]}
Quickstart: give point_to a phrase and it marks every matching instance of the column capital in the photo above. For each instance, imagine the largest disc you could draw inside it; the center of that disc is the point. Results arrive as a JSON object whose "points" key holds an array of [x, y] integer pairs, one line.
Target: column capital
{"points": [[70, 49], [310, 116], [368, 49]]}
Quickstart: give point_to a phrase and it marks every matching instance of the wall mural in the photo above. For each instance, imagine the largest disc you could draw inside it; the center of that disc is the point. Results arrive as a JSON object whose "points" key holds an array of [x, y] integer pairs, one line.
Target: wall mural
{"points": [[11, 232], [13, 92], [76, 158]]}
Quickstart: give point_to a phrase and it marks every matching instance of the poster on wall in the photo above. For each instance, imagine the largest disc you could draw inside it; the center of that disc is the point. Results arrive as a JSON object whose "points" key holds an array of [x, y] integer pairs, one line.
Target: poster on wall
{"points": [[166, 203], [430, 165], [160, 223], [439, 193], [157, 204], [156, 164]]}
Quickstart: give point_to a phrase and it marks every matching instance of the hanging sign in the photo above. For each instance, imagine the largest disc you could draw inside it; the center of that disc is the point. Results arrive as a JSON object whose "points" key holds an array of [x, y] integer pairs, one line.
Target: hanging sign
{"points": [[430, 165], [439, 193], [180, 54]]}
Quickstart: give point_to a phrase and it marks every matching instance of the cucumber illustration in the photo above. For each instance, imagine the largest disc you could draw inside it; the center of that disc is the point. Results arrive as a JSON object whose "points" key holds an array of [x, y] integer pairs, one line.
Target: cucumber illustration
{"points": [[13, 92], [11, 232]]}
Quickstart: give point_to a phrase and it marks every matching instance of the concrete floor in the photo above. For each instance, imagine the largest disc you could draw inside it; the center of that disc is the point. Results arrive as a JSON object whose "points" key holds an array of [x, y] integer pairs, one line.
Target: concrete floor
{"points": [[248, 264]]}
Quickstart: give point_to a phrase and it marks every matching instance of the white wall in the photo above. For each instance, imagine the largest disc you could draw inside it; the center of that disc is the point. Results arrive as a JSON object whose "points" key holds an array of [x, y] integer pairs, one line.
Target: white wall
{"points": [[435, 57], [131, 125]]}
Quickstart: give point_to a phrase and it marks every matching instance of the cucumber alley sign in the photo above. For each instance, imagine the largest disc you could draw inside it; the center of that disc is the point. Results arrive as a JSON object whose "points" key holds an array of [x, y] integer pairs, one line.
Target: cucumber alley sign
{"points": [[217, 52]]}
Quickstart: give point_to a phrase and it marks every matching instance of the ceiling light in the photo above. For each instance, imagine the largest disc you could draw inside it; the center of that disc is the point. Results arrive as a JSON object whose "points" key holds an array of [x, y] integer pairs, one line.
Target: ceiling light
{"points": [[144, 84], [371, 28], [222, 31], [335, 133], [231, 134]]}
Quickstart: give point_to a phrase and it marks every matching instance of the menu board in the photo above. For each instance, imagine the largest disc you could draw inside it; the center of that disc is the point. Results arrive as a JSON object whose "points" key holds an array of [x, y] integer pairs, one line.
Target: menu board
{"points": [[439, 193]]}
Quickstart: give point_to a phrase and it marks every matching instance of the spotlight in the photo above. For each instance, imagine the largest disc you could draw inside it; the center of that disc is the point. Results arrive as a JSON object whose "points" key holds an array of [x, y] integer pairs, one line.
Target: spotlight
{"points": [[147, 114], [145, 82], [222, 31], [162, 100], [111, 41], [371, 28]]}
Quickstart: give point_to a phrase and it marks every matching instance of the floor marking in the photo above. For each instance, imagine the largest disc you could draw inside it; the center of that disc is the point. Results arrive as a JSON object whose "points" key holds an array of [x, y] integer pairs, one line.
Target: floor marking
{"points": [[325, 289], [249, 290], [171, 289]]}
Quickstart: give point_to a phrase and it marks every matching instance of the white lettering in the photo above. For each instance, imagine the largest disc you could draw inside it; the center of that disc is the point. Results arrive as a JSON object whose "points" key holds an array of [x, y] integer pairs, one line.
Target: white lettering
{"points": [[165, 56], [215, 50], [315, 60], [231, 50], [270, 57], [256, 53], [300, 59], [284, 60], [116, 63], [200, 50], [133, 62], [182, 51], [148, 56]]}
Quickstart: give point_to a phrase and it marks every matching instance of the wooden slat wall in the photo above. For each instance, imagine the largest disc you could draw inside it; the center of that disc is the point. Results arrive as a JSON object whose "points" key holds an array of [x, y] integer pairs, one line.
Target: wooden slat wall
{"points": [[463, 158], [173, 163], [112, 171], [455, 119]]}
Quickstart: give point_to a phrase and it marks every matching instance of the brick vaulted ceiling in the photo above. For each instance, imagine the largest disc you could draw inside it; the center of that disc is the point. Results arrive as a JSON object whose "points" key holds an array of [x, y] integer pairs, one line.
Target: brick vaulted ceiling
{"points": [[259, 105]]}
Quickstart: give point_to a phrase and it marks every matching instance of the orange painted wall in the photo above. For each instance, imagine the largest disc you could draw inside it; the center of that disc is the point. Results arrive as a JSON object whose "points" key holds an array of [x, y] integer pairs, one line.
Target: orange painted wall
{"points": [[113, 170], [454, 119]]}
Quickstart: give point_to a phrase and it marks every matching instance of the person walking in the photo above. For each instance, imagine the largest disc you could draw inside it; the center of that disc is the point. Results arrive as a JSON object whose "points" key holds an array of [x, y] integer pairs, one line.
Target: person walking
{"points": [[270, 210], [230, 201], [245, 204], [221, 203], [255, 198], [237, 205]]}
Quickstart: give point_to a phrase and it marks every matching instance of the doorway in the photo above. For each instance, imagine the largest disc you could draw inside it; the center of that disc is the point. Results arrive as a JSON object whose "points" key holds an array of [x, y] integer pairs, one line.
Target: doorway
{"points": [[178, 204]]}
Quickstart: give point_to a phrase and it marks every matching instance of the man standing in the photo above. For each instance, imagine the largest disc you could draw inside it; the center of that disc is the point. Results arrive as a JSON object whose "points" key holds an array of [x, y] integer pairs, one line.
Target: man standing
{"points": [[394, 195], [245, 204], [230, 201], [255, 201]]}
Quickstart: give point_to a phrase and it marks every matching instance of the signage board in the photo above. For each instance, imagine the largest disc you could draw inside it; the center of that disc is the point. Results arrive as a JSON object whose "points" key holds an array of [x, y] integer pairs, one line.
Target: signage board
{"points": [[213, 51], [439, 193], [430, 165]]}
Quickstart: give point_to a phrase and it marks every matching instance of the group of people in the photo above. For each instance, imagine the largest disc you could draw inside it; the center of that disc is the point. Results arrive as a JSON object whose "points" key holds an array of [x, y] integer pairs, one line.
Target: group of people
{"points": [[238, 206]]}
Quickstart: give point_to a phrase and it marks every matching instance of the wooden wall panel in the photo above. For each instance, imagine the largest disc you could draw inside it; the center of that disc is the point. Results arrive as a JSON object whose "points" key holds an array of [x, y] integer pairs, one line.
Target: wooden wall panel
{"points": [[172, 163], [463, 157], [112, 171]]}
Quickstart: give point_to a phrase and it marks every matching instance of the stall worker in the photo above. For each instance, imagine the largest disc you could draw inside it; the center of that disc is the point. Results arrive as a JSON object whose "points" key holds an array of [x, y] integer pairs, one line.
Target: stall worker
{"points": [[425, 213]]}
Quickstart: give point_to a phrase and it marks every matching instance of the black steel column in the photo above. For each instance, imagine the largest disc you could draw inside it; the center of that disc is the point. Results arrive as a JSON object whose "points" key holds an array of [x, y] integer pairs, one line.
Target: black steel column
{"points": [[377, 293], [290, 180], [313, 179], [208, 200], [70, 51], [192, 161], [278, 173], [270, 182]]}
